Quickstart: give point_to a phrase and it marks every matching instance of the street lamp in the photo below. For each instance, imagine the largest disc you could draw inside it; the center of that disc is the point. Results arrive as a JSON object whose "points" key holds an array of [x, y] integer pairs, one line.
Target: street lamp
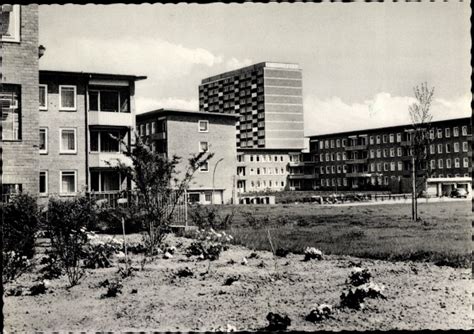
{"points": [[213, 177]]}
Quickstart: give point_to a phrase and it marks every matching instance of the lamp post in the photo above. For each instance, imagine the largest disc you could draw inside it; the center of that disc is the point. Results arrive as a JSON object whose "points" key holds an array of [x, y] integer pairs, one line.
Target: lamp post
{"points": [[213, 178]]}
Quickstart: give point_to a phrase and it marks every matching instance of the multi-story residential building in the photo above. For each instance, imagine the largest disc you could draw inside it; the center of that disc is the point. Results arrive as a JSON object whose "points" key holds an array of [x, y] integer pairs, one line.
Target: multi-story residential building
{"points": [[19, 99], [81, 117], [186, 133], [268, 98], [381, 159]]}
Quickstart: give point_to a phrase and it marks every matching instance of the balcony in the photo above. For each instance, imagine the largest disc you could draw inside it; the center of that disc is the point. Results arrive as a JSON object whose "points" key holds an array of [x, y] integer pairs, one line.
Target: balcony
{"points": [[405, 143], [358, 174], [302, 176], [100, 159], [111, 118], [158, 136], [356, 147], [356, 161]]}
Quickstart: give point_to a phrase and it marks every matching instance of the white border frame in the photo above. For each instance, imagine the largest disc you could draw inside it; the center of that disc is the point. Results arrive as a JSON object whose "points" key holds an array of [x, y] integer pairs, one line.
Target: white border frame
{"points": [[61, 151], [199, 125], [206, 170], [46, 185], [45, 97], [15, 15], [199, 147], [61, 193], [61, 108], [46, 142]]}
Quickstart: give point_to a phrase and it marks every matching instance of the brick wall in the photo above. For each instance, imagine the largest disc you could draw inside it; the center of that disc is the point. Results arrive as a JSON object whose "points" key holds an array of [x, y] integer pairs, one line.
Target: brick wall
{"points": [[20, 66]]}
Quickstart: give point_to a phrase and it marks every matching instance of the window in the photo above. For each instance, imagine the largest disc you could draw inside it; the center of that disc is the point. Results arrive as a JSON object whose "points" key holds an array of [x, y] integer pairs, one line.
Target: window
{"points": [[400, 165], [332, 143], [67, 98], [321, 145], [344, 156], [10, 27], [456, 131], [448, 148], [385, 166], [43, 182], [371, 140], [204, 167], [142, 129], [344, 182], [344, 168], [392, 152], [386, 180], [338, 143], [440, 148], [392, 166], [372, 167], [203, 126], [392, 137], [399, 151], [384, 139], [67, 140], [321, 169], [440, 133], [399, 137], [465, 148], [456, 163], [465, 162], [372, 154], [464, 130], [43, 97], [432, 134], [147, 129], [447, 132], [333, 169], [448, 163], [338, 156], [433, 164], [43, 145], [432, 149], [203, 146], [68, 182], [326, 143], [378, 139], [379, 153], [456, 147], [338, 168], [440, 163], [328, 169], [153, 127], [10, 104], [385, 152]]}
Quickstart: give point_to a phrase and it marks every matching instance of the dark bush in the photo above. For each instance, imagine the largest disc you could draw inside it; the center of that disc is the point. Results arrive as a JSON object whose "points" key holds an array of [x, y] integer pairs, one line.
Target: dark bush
{"points": [[99, 255], [206, 217], [113, 289], [52, 267], [109, 221], [277, 322], [282, 252]]}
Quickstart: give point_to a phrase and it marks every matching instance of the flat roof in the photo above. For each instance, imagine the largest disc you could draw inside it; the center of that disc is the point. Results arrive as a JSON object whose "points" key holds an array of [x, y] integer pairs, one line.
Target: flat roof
{"points": [[171, 111], [271, 64], [95, 75], [356, 132]]}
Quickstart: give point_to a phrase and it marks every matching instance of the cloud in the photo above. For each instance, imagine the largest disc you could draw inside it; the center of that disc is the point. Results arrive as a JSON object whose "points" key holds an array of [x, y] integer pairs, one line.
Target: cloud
{"points": [[234, 63], [334, 115], [144, 104], [156, 58]]}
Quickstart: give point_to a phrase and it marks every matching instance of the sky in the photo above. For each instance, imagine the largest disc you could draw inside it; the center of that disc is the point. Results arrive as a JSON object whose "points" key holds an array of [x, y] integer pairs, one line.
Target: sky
{"points": [[360, 61]]}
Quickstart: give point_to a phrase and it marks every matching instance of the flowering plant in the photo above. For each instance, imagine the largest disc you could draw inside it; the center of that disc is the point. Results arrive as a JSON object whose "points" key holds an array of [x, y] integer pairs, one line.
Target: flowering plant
{"points": [[319, 313], [210, 244], [14, 265], [311, 253], [359, 276]]}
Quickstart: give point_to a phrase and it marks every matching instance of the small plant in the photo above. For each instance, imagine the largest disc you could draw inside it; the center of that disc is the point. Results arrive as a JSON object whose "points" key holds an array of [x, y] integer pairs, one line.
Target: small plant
{"points": [[184, 272], [277, 322], [319, 313], [113, 289], [282, 252], [359, 276], [209, 245], [52, 267], [354, 297], [98, 253], [14, 265], [311, 253], [38, 289], [207, 217]]}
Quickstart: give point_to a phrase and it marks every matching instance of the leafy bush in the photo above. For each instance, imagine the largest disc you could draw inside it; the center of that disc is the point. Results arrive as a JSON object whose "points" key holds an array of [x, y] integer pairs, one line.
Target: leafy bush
{"points": [[311, 253], [277, 322], [110, 220], [113, 289], [354, 297], [209, 244], [52, 267], [359, 276], [66, 223], [206, 217], [319, 313], [14, 265]]}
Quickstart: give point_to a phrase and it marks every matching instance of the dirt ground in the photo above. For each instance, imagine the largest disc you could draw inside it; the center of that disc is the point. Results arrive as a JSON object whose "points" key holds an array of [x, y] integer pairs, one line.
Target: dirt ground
{"points": [[419, 296]]}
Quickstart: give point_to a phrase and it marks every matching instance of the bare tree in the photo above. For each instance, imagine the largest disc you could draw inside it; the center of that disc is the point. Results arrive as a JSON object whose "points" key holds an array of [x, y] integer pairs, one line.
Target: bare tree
{"points": [[419, 142]]}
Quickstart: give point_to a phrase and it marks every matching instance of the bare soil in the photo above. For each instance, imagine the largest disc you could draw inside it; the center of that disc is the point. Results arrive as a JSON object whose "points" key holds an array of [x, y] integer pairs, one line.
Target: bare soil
{"points": [[419, 296]]}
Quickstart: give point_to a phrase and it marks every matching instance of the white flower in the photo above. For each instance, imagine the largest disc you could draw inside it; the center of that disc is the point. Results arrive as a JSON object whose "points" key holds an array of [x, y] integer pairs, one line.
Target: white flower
{"points": [[231, 328]]}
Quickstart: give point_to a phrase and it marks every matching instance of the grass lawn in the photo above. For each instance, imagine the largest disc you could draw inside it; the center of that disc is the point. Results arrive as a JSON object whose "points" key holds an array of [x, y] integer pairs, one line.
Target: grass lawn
{"points": [[377, 231]]}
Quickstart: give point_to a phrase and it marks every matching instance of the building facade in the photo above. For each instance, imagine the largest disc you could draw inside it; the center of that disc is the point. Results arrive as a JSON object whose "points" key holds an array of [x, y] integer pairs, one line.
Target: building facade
{"points": [[267, 97], [82, 116], [186, 133], [380, 159], [19, 99]]}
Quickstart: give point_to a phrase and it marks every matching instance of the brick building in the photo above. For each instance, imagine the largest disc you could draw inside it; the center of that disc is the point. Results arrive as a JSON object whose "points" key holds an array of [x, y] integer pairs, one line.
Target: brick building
{"points": [[79, 114], [184, 133], [19, 99], [380, 158]]}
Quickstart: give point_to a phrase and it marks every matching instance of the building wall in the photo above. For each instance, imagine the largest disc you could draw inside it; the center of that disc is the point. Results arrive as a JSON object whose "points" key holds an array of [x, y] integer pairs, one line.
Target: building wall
{"points": [[268, 97], [54, 119], [397, 180], [20, 66]]}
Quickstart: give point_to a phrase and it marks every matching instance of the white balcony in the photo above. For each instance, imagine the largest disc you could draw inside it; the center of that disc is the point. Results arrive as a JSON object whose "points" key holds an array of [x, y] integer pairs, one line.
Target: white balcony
{"points": [[111, 118], [100, 159]]}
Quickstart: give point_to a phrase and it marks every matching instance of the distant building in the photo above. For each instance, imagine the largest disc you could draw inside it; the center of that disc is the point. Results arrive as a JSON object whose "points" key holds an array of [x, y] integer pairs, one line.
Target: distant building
{"points": [[380, 159], [19, 99], [186, 133], [79, 114], [267, 97]]}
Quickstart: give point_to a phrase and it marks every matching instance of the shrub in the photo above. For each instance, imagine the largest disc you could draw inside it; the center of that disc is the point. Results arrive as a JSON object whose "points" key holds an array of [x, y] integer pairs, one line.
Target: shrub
{"points": [[110, 220], [14, 265], [354, 297], [52, 267], [277, 322], [113, 289], [319, 313], [66, 223], [206, 217], [359, 276], [311, 253], [99, 255], [184, 272], [282, 252], [209, 244], [250, 219]]}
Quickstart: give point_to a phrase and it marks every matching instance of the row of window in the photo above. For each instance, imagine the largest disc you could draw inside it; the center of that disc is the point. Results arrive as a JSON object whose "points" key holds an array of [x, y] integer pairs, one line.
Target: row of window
{"points": [[391, 138], [67, 141], [67, 97], [260, 158], [457, 163], [265, 184], [252, 143], [267, 171], [67, 182], [147, 129]]}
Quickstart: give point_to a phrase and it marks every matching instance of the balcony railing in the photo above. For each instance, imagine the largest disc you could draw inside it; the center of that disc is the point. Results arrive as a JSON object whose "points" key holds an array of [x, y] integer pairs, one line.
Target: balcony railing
{"points": [[303, 176], [108, 159], [111, 118], [356, 161], [358, 174], [356, 147]]}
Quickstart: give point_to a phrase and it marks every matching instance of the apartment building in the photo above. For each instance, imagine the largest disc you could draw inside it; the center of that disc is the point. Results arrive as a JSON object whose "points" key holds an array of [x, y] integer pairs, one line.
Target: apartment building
{"points": [[19, 99], [81, 117], [380, 158], [268, 98], [185, 133]]}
